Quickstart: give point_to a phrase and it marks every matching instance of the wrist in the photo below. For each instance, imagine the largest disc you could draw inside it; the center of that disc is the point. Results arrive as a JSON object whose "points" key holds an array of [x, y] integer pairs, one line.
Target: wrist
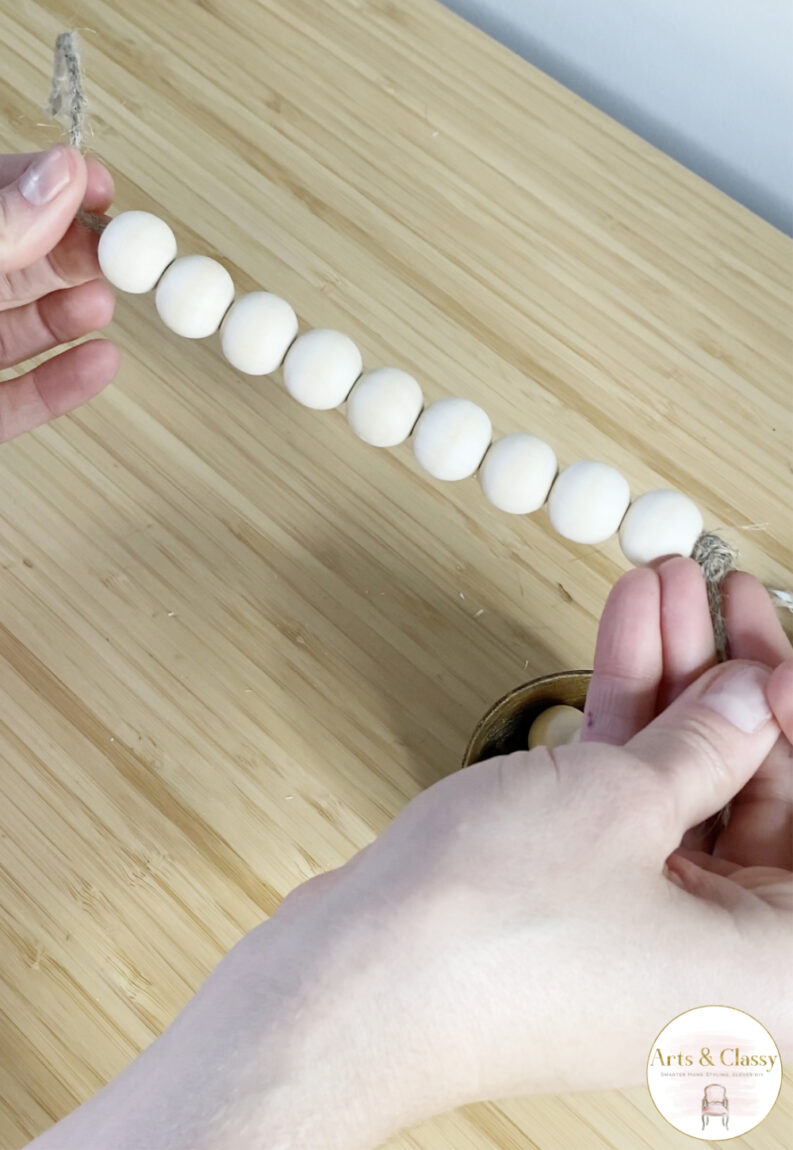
{"points": [[345, 981], [279, 1049], [316, 1077]]}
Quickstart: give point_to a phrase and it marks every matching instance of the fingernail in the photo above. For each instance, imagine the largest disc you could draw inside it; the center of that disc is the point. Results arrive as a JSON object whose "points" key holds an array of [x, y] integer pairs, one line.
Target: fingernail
{"points": [[46, 177], [739, 697]]}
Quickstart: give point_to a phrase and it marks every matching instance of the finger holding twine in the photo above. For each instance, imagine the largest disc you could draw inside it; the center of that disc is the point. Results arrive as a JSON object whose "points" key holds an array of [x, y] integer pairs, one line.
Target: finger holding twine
{"points": [[67, 103]]}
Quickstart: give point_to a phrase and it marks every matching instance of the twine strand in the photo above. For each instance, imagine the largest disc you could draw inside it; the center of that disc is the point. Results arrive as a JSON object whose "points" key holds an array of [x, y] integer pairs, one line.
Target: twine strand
{"points": [[67, 103], [716, 559], [67, 95]]}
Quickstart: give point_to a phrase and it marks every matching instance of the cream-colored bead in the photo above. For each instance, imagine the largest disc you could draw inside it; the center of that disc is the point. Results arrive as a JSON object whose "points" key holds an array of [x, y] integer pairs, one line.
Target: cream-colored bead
{"points": [[320, 368], [660, 523], [517, 473], [194, 295], [134, 250], [556, 727], [384, 406], [451, 438], [588, 501], [257, 332]]}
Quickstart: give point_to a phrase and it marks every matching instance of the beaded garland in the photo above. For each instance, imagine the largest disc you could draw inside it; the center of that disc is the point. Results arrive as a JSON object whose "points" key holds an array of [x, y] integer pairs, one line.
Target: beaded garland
{"points": [[452, 438]]}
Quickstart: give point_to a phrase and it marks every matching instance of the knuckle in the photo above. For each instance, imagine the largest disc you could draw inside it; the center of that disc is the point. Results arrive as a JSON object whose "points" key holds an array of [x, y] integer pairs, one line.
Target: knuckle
{"points": [[699, 749], [49, 321], [42, 394], [699, 760], [62, 277]]}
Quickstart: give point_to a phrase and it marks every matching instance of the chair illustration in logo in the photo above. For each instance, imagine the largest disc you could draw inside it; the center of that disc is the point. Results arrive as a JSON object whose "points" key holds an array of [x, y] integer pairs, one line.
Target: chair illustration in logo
{"points": [[715, 1105]]}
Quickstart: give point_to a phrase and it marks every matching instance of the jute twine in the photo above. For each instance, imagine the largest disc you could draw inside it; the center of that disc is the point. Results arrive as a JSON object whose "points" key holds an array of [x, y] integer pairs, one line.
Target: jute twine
{"points": [[67, 97], [67, 103], [716, 559]]}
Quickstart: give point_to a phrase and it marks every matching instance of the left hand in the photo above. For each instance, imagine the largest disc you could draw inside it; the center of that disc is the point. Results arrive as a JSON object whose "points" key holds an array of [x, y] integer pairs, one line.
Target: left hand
{"points": [[51, 290]]}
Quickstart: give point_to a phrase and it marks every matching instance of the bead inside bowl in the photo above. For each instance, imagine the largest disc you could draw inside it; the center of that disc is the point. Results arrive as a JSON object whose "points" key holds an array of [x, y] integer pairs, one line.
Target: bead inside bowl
{"points": [[505, 727]]}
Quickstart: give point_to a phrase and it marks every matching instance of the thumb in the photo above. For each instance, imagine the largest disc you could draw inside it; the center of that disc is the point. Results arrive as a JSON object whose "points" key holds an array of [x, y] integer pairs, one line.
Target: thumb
{"points": [[710, 741], [37, 208]]}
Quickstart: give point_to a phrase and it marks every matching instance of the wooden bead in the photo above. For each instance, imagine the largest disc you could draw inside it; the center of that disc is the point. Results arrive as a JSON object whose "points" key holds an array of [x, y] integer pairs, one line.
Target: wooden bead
{"points": [[134, 250], [451, 438], [321, 367], [517, 473], [556, 727], [660, 523], [588, 501], [194, 295], [257, 332], [384, 406]]}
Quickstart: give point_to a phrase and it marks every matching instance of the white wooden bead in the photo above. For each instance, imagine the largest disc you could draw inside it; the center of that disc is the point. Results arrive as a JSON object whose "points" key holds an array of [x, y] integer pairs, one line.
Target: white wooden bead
{"points": [[556, 727], [451, 438], [194, 295], [257, 332], [384, 406], [321, 367], [660, 523], [517, 473], [587, 501], [134, 250]]}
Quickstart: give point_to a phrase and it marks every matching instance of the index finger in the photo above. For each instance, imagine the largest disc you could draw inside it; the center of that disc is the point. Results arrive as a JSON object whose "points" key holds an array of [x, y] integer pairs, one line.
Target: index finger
{"points": [[623, 692], [99, 190], [753, 627]]}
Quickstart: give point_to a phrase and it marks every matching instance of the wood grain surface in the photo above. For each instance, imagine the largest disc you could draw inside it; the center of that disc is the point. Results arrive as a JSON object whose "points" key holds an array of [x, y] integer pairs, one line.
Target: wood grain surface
{"points": [[234, 640]]}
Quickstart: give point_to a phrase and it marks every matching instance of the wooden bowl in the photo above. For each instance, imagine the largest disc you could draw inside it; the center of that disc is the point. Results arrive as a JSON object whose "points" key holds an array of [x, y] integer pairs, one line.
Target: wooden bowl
{"points": [[505, 727]]}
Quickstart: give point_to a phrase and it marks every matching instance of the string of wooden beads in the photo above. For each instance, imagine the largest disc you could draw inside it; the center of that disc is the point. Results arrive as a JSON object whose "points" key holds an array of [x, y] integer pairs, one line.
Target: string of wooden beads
{"points": [[588, 501]]}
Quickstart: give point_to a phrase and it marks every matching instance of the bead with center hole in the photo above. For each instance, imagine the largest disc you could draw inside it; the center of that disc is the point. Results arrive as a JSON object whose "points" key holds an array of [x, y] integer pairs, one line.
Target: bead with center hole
{"points": [[451, 438], [320, 368], [134, 250], [193, 296], [384, 406], [660, 523], [556, 727], [588, 501], [257, 332]]}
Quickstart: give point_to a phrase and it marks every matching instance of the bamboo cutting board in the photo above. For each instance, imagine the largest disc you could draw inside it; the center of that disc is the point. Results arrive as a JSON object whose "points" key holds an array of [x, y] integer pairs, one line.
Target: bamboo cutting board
{"points": [[234, 640]]}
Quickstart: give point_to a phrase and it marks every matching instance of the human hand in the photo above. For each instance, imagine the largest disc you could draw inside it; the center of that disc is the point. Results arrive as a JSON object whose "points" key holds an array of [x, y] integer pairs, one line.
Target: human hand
{"points": [[51, 290], [656, 638], [518, 921], [513, 931]]}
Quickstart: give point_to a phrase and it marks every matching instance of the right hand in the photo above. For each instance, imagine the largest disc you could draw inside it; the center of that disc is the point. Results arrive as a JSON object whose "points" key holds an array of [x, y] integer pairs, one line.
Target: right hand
{"points": [[656, 638], [513, 930]]}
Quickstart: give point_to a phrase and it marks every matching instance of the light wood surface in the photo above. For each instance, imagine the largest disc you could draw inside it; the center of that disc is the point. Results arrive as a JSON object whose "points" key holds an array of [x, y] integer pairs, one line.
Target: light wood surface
{"points": [[235, 640]]}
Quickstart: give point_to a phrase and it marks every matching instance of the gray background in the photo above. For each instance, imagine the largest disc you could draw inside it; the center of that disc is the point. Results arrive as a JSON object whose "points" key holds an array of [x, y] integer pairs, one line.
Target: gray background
{"points": [[708, 81]]}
